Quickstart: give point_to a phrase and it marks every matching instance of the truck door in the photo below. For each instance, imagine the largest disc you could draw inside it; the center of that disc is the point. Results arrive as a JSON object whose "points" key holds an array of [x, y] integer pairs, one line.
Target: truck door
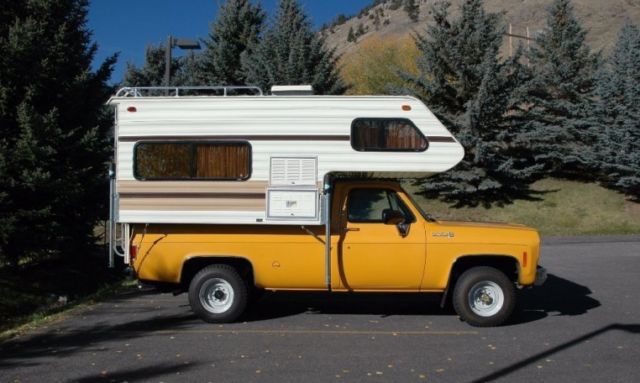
{"points": [[374, 255]]}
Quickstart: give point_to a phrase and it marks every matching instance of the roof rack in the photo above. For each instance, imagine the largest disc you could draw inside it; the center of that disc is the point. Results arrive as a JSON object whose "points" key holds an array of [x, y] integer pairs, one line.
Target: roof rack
{"points": [[177, 91]]}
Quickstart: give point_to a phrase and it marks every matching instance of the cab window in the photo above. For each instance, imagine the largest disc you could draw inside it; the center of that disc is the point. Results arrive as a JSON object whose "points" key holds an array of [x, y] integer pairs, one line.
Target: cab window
{"points": [[368, 205]]}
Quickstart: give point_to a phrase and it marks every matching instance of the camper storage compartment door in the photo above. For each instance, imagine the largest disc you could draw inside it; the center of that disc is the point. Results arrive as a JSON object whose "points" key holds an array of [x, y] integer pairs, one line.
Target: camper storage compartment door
{"points": [[292, 204], [293, 195]]}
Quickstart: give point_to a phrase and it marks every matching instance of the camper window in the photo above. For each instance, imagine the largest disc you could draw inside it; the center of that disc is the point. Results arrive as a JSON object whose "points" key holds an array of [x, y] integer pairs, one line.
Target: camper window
{"points": [[386, 134], [192, 160]]}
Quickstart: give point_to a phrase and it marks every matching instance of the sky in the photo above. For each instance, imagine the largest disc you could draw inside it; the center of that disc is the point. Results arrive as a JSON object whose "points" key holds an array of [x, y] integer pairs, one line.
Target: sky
{"points": [[128, 26]]}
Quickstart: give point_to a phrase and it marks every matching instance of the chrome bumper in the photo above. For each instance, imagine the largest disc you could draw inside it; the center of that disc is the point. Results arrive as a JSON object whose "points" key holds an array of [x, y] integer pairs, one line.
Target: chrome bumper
{"points": [[541, 276]]}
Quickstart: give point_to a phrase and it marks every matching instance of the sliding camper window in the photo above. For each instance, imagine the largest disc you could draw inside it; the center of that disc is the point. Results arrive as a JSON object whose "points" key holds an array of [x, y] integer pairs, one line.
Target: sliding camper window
{"points": [[192, 161], [386, 135]]}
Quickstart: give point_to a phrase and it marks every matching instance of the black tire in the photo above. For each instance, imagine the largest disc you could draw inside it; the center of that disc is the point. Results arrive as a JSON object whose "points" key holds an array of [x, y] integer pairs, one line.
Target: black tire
{"points": [[484, 297], [217, 294]]}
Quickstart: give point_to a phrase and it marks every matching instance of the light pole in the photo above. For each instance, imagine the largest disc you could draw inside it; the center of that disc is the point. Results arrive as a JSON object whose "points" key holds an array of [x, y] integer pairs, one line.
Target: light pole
{"points": [[171, 43]]}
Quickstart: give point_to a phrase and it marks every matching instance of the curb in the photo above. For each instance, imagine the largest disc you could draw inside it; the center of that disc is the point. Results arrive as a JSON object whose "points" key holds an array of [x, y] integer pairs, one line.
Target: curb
{"points": [[589, 239]]}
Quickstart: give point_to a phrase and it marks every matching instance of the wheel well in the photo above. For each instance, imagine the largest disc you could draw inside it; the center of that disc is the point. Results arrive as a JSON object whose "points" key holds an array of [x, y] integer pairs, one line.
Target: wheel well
{"points": [[505, 263], [192, 265]]}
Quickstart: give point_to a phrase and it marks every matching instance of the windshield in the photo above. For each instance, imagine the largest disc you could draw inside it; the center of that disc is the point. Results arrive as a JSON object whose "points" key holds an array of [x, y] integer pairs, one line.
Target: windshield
{"points": [[423, 213]]}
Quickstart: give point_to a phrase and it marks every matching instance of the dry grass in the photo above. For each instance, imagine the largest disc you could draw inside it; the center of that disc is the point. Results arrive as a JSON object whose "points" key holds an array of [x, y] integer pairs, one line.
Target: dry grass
{"points": [[565, 208]]}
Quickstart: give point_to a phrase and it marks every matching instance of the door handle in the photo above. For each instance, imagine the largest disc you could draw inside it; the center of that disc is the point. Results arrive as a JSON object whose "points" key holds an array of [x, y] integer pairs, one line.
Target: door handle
{"points": [[346, 229]]}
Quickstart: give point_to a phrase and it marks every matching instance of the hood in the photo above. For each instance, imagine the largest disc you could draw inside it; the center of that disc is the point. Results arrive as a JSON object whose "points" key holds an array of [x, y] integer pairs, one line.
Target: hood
{"points": [[482, 232]]}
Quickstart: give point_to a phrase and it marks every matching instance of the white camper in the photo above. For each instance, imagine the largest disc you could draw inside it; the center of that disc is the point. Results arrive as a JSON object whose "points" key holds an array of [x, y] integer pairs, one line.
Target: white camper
{"points": [[254, 159]]}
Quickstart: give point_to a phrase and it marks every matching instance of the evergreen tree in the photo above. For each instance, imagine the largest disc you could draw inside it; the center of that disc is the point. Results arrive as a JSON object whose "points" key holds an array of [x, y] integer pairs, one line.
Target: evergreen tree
{"points": [[412, 9], [237, 27], [189, 73], [351, 37], [53, 140], [152, 72], [395, 4], [468, 87], [619, 113], [361, 30], [290, 52], [376, 21], [558, 98]]}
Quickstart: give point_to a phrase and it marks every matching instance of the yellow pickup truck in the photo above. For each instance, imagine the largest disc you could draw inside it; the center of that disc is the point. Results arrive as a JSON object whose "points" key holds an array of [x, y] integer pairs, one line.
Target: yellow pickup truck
{"points": [[380, 241]]}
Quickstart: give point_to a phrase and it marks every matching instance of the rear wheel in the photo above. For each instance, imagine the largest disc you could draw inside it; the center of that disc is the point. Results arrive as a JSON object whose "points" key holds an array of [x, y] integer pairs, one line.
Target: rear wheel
{"points": [[484, 297], [217, 294]]}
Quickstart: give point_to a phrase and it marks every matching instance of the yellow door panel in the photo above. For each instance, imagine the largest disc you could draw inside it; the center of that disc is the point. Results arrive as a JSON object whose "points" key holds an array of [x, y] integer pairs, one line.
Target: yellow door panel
{"points": [[378, 256]]}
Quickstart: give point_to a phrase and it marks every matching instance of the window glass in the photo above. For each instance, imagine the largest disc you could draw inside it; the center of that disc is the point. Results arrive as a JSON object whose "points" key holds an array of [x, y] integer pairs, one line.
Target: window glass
{"points": [[192, 161], [368, 205], [386, 134], [222, 161]]}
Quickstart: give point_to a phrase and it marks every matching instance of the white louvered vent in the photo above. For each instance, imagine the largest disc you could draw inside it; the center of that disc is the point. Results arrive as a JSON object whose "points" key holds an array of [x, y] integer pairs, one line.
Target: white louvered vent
{"points": [[293, 171]]}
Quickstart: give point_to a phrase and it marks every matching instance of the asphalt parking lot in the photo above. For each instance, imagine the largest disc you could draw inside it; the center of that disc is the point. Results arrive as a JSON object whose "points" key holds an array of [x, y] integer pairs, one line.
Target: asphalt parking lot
{"points": [[582, 325]]}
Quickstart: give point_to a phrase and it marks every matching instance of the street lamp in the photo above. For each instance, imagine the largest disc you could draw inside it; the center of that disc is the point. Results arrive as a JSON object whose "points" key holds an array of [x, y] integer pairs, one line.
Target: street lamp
{"points": [[171, 43]]}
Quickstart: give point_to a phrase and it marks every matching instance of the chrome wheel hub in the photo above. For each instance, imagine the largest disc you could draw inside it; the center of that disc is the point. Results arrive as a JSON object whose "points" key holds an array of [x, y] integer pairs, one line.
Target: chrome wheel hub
{"points": [[486, 298], [216, 295]]}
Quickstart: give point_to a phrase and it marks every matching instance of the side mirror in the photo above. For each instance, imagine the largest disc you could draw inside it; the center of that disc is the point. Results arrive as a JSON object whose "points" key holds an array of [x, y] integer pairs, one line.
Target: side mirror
{"points": [[393, 217]]}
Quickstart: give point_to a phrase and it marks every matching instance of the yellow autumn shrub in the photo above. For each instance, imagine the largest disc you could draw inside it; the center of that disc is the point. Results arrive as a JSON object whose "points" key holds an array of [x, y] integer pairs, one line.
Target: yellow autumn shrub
{"points": [[374, 66]]}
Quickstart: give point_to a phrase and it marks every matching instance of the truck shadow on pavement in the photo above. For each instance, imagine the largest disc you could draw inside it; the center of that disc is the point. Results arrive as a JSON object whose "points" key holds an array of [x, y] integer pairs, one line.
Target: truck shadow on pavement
{"points": [[557, 296], [284, 304]]}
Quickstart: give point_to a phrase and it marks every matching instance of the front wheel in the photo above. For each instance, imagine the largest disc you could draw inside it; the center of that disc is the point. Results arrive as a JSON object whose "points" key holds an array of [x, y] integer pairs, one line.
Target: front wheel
{"points": [[217, 294], [484, 297]]}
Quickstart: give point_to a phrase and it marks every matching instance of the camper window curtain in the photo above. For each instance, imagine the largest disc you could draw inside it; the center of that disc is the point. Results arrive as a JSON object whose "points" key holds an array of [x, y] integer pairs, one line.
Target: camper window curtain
{"points": [[192, 161], [386, 134]]}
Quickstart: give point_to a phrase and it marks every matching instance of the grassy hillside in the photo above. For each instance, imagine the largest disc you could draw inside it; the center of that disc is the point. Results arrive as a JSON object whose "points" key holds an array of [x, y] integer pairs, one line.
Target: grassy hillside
{"points": [[564, 208], [602, 19]]}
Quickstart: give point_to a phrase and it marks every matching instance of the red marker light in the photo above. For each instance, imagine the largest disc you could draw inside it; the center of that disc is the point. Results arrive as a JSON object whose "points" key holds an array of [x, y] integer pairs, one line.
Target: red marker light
{"points": [[133, 253], [132, 109]]}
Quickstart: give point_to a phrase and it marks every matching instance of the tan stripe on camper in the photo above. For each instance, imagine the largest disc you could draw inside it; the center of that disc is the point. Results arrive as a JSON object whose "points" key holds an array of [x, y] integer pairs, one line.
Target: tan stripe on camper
{"points": [[241, 203], [190, 187]]}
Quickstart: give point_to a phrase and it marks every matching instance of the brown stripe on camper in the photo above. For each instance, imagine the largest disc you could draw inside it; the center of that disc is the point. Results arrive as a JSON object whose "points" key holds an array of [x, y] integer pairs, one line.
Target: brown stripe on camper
{"points": [[261, 138], [197, 195], [190, 187], [440, 139], [246, 138], [193, 203]]}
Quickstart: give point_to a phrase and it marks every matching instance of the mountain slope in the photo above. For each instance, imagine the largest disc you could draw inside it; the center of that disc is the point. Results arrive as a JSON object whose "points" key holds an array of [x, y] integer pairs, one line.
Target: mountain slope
{"points": [[601, 18]]}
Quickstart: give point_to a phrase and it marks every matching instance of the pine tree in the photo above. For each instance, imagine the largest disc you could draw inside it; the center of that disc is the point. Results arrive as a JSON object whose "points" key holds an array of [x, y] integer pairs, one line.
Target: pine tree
{"points": [[290, 52], [361, 30], [54, 143], [618, 89], [351, 37], [470, 90], [376, 21], [558, 98], [395, 4], [152, 73], [237, 27], [412, 9]]}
